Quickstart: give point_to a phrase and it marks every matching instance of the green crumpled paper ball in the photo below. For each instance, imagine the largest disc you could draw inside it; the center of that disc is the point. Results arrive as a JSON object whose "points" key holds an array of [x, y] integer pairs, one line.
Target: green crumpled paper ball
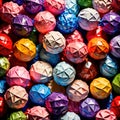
{"points": [[85, 3]]}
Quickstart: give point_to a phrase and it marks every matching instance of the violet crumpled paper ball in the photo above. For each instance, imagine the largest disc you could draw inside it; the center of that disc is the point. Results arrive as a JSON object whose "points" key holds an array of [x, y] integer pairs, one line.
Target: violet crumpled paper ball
{"points": [[33, 6], [39, 93], [18, 75], [115, 46], [88, 19], [54, 42], [22, 25], [41, 72], [16, 97], [57, 103], [110, 23], [70, 116], [37, 113], [63, 74], [89, 108]]}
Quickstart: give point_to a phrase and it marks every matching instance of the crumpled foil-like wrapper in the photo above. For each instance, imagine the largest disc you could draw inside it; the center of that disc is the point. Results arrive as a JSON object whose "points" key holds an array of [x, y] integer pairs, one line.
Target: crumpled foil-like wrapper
{"points": [[98, 48], [87, 70], [70, 116], [88, 19], [115, 46], [16, 97], [33, 6], [115, 106], [54, 42], [5, 44], [57, 103], [72, 6], [102, 6], [76, 52], [100, 88], [4, 66], [41, 72], [44, 22], [19, 76], [77, 91], [56, 7], [116, 83], [3, 86], [89, 107], [9, 10], [24, 50], [109, 67], [2, 107], [22, 25], [64, 74], [67, 22], [85, 3], [39, 93], [110, 23], [19, 115], [105, 114], [38, 113]]}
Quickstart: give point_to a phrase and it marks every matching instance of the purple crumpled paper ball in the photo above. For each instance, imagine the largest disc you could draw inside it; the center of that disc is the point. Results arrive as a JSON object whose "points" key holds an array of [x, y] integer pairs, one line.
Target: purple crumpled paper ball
{"points": [[110, 23], [89, 108], [33, 6], [22, 25], [57, 103]]}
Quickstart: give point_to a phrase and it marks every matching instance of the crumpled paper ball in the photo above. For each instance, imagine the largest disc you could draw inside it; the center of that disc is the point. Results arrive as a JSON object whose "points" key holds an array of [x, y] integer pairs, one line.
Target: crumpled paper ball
{"points": [[115, 106], [76, 52], [9, 10], [109, 67], [16, 97], [3, 86], [77, 91], [54, 87], [56, 7], [67, 22], [63, 74], [70, 116], [73, 106], [75, 36], [102, 6], [19, 115], [72, 6], [38, 113], [52, 59], [115, 46], [33, 6], [54, 42], [100, 88], [22, 25], [110, 23], [88, 19], [57, 103], [19, 76], [41, 72], [116, 83], [89, 107], [84, 3], [44, 22], [39, 93], [24, 50], [2, 107], [5, 44], [4, 66], [105, 114], [98, 48], [87, 70]]}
